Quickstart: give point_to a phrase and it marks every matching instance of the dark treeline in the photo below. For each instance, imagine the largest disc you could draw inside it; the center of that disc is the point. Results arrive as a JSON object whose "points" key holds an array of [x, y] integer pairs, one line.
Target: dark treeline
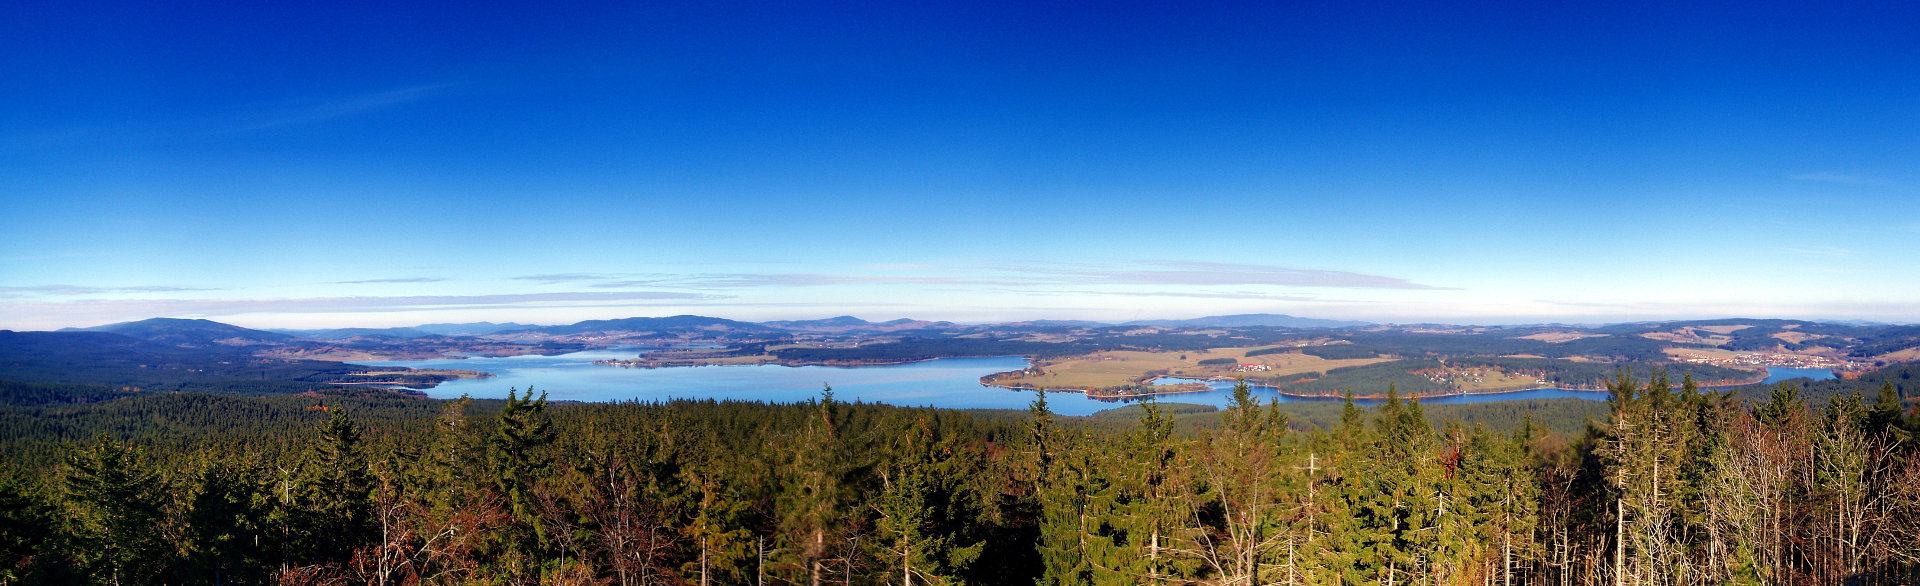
{"points": [[1407, 374], [1615, 347], [932, 346], [110, 360], [1671, 485]]}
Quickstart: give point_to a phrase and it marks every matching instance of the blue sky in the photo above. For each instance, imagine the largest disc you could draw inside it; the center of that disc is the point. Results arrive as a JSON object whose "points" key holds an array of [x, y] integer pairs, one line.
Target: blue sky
{"points": [[362, 164]]}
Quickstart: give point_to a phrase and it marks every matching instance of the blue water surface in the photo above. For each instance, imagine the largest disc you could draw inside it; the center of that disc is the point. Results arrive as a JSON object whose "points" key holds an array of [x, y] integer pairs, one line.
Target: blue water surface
{"points": [[1775, 375], [1223, 391], [947, 382]]}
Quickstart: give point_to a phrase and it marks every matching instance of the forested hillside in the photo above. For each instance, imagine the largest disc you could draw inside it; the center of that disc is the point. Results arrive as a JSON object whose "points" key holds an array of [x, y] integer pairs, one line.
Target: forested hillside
{"points": [[100, 358], [1669, 486]]}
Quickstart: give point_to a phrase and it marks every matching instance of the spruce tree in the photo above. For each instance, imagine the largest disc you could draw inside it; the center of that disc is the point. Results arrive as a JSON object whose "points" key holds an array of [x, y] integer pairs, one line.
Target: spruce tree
{"points": [[1240, 525], [922, 510], [26, 520], [1884, 417], [227, 540], [1067, 488], [517, 459], [1153, 490], [816, 492], [339, 493], [111, 503]]}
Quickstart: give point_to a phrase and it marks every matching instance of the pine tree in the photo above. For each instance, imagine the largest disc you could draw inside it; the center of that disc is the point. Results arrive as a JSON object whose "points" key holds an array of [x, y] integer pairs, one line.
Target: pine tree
{"points": [[26, 520], [717, 529], [816, 493], [1884, 417], [1351, 518], [1068, 488], [1154, 490], [1504, 491], [1239, 525], [111, 502], [1397, 501], [517, 459], [226, 538], [922, 508], [339, 500]]}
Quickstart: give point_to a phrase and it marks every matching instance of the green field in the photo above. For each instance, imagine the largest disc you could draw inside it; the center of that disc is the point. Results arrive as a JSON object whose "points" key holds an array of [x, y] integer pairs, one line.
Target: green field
{"points": [[1120, 368]]}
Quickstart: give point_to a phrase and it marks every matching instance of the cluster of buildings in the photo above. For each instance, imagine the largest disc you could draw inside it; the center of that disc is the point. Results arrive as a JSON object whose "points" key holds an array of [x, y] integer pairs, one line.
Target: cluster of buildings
{"points": [[1770, 359], [1449, 377]]}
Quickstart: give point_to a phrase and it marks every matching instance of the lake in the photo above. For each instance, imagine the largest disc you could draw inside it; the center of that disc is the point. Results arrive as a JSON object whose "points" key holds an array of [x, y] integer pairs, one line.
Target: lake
{"points": [[948, 382], [1223, 392], [1775, 375]]}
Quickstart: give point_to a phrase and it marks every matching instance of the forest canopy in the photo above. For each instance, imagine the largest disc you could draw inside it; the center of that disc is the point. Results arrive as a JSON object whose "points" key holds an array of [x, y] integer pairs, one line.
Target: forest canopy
{"points": [[1663, 483]]}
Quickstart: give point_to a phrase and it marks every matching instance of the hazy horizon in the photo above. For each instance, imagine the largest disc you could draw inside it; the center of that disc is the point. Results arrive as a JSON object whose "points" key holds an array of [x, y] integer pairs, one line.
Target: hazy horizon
{"points": [[271, 327]]}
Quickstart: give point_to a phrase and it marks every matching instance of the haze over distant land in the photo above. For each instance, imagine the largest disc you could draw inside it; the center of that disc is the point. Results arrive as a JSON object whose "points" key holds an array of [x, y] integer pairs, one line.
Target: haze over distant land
{"points": [[388, 166]]}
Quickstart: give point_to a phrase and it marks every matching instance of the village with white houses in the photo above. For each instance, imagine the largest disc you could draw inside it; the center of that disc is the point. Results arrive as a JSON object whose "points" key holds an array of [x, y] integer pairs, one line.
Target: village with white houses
{"points": [[1776, 360]]}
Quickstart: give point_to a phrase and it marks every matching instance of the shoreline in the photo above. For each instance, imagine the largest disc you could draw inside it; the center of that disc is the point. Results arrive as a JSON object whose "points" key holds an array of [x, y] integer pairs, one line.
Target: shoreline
{"points": [[424, 378], [1183, 388], [652, 364], [1202, 388]]}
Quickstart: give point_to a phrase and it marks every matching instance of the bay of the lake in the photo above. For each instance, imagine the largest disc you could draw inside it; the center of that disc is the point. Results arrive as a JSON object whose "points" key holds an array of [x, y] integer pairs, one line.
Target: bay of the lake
{"points": [[952, 383], [948, 382], [1775, 375], [1224, 390]]}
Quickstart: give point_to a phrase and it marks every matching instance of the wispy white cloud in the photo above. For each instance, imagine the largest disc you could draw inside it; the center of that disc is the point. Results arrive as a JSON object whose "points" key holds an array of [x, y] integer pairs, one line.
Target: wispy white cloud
{"points": [[1213, 273], [821, 279], [1591, 304], [76, 290], [568, 277], [1035, 275], [1838, 178], [1820, 251], [1585, 311], [310, 111], [108, 310], [1191, 294], [240, 120], [393, 280], [631, 284], [715, 281]]}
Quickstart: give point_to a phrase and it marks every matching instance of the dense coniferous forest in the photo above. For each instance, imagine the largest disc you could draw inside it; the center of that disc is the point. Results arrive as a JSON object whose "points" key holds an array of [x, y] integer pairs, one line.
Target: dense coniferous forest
{"points": [[1668, 484]]}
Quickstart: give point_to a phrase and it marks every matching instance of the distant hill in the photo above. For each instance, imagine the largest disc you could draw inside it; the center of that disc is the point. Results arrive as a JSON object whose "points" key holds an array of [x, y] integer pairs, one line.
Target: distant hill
{"points": [[1248, 320], [1063, 323], [675, 325], [851, 324], [845, 321], [192, 333], [480, 328], [102, 358], [345, 333], [1775, 335], [409, 333]]}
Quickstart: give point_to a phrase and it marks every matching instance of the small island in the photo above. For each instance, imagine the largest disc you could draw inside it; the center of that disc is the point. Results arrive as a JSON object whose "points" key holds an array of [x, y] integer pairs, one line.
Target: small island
{"points": [[414, 378], [1328, 370], [1130, 374]]}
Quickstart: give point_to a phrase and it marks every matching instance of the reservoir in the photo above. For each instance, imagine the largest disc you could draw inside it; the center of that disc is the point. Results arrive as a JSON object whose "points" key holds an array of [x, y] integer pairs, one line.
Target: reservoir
{"points": [[952, 383], [947, 382], [1775, 375], [1225, 390]]}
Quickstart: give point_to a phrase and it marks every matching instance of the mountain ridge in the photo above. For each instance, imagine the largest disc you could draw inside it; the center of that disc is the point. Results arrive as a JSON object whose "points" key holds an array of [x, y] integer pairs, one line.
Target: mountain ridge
{"points": [[1244, 320], [192, 333]]}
